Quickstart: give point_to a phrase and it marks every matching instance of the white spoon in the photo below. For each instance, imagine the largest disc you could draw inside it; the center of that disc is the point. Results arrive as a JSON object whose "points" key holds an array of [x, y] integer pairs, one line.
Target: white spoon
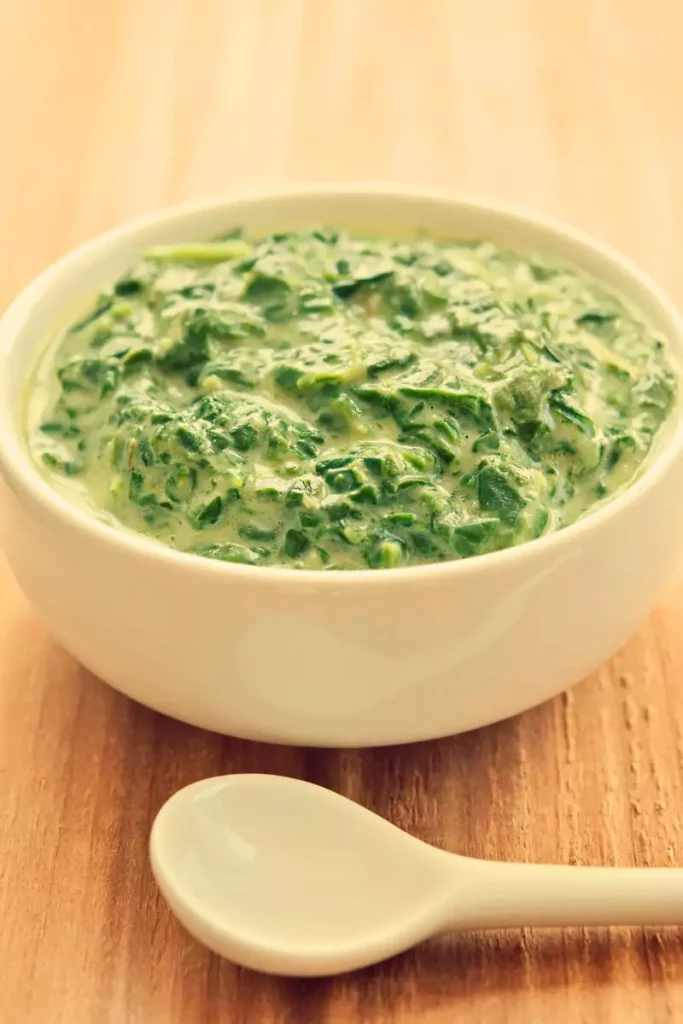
{"points": [[286, 877]]}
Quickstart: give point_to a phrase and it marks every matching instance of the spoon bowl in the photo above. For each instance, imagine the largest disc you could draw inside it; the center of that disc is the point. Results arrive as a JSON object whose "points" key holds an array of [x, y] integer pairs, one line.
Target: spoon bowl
{"points": [[286, 877]]}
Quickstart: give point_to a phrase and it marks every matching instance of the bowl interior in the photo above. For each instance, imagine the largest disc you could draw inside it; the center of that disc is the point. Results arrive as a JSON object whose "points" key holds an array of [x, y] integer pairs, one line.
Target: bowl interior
{"points": [[82, 273]]}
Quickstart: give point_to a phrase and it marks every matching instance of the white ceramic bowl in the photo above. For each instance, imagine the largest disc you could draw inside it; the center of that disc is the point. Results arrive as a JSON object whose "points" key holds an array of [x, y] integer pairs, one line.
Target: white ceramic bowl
{"points": [[333, 658]]}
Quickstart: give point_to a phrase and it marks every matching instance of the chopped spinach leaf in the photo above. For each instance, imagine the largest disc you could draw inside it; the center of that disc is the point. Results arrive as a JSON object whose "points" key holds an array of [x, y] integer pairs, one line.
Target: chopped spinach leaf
{"points": [[320, 399]]}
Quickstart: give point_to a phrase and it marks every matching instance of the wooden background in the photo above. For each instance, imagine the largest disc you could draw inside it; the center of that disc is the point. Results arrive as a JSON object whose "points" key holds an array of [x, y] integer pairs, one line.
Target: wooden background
{"points": [[116, 107]]}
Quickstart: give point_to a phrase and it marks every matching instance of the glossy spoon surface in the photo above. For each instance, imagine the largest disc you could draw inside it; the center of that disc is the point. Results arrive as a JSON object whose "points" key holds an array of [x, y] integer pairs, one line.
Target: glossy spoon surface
{"points": [[289, 878]]}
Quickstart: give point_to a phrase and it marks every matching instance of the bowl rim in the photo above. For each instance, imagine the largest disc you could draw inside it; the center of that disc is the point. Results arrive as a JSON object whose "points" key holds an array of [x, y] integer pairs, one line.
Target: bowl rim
{"points": [[24, 477]]}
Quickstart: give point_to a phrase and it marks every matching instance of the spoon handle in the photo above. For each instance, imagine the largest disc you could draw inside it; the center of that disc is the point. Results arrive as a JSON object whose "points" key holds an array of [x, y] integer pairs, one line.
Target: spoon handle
{"points": [[497, 895]]}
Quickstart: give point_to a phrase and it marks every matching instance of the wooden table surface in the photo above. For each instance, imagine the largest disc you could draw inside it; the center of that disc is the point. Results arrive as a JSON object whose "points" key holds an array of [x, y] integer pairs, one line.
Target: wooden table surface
{"points": [[113, 108]]}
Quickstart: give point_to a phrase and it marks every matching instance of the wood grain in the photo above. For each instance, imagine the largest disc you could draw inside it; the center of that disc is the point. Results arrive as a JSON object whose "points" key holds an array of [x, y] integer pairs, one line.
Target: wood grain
{"points": [[113, 108]]}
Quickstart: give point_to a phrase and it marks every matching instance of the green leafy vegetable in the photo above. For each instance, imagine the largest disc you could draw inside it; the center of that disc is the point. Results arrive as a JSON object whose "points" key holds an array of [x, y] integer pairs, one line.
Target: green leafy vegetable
{"points": [[319, 399]]}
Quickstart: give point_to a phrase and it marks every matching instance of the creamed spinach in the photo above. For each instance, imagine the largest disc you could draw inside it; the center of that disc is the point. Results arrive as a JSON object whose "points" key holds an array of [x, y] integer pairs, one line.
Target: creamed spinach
{"points": [[319, 399]]}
